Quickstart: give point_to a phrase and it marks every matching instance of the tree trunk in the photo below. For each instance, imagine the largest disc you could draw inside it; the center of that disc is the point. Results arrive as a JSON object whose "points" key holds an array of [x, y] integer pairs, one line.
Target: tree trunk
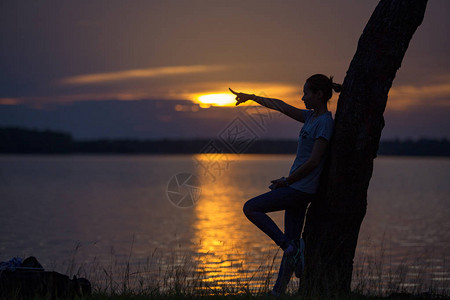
{"points": [[333, 221]]}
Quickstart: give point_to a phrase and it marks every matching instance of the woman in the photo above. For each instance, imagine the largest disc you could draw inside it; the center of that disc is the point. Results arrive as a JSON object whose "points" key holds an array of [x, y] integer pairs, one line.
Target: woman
{"points": [[294, 192]]}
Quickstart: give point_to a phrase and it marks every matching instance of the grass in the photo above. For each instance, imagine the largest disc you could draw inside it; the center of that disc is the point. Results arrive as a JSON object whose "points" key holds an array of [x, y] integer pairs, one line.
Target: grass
{"points": [[377, 273], [183, 276], [179, 275]]}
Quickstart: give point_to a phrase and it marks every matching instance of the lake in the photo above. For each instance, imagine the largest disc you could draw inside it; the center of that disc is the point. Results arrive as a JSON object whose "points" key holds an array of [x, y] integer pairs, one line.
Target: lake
{"points": [[94, 215]]}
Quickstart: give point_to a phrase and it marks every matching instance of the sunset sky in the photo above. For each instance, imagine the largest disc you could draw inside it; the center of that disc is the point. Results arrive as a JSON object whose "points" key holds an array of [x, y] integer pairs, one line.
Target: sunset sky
{"points": [[176, 53]]}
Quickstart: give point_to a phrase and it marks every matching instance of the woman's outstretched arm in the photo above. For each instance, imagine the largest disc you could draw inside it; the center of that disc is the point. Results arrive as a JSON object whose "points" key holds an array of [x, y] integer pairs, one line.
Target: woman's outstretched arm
{"points": [[289, 110]]}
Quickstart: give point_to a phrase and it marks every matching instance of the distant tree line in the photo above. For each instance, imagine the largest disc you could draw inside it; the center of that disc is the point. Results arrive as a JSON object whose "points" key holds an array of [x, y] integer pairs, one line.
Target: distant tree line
{"points": [[422, 147], [20, 140]]}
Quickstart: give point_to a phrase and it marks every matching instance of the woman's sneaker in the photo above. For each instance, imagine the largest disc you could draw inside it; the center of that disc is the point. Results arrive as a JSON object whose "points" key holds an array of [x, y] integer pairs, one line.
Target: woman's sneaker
{"points": [[292, 261], [300, 262], [284, 275]]}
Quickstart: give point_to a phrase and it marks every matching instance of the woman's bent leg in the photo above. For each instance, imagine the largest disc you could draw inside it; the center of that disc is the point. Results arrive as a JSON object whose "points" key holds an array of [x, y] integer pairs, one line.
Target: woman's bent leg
{"points": [[256, 210]]}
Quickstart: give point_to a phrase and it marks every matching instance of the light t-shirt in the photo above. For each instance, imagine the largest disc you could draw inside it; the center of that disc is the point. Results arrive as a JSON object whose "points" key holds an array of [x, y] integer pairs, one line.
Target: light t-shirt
{"points": [[322, 126]]}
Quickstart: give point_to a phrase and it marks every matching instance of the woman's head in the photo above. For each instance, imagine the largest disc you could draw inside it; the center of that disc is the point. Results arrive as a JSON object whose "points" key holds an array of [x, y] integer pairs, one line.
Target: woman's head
{"points": [[323, 84]]}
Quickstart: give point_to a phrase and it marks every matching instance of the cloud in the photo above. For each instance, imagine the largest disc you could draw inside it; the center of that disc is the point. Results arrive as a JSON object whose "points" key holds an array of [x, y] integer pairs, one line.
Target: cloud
{"points": [[290, 93], [178, 90], [138, 73], [406, 96], [9, 101], [39, 101]]}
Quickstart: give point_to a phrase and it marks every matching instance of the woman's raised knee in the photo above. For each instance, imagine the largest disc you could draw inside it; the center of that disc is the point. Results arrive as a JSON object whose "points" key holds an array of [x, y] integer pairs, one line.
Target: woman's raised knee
{"points": [[247, 208]]}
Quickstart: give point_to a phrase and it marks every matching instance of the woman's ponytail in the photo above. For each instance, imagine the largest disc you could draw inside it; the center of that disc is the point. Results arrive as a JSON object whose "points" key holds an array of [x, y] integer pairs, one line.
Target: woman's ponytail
{"points": [[335, 86]]}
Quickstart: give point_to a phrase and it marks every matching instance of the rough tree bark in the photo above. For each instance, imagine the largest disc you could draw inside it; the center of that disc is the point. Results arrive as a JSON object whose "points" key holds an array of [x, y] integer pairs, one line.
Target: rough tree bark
{"points": [[333, 221]]}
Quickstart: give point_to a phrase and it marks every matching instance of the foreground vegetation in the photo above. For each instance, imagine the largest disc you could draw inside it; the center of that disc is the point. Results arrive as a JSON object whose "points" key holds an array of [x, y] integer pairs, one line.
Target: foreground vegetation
{"points": [[180, 276], [264, 296], [165, 275]]}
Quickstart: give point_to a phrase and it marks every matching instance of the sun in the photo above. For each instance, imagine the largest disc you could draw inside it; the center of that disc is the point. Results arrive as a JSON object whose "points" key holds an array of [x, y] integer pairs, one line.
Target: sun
{"points": [[217, 99]]}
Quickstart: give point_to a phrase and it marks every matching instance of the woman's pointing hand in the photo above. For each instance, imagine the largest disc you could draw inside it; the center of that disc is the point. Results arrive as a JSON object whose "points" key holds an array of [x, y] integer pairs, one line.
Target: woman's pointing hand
{"points": [[242, 97]]}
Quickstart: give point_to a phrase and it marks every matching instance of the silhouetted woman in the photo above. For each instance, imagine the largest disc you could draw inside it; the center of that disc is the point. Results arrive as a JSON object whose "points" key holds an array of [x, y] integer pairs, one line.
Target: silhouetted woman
{"points": [[294, 192]]}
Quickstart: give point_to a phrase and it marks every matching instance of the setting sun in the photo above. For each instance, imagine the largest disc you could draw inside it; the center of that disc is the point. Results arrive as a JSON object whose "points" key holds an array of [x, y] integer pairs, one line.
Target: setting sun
{"points": [[217, 99]]}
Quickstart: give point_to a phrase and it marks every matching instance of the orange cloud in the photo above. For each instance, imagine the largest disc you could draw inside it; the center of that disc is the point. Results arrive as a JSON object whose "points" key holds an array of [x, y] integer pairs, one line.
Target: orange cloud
{"points": [[9, 101], [287, 92], [402, 97], [138, 73]]}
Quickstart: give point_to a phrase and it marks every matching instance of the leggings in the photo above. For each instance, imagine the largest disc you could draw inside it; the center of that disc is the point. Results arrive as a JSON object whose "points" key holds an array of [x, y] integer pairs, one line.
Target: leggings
{"points": [[292, 201]]}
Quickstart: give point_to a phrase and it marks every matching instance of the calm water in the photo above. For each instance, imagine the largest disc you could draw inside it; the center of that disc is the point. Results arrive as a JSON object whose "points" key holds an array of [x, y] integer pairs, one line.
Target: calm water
{"points": [[108, 210]]}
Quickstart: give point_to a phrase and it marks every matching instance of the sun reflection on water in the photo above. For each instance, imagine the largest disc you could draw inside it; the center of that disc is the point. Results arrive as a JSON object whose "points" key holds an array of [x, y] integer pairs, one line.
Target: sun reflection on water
{"points": [[222, 230]]}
